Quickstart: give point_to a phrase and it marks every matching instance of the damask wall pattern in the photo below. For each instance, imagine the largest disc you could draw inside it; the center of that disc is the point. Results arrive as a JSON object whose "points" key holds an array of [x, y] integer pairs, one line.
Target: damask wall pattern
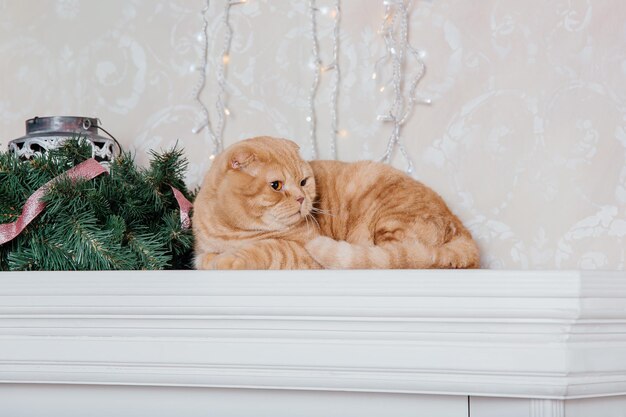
{"points": [[525, 137]]}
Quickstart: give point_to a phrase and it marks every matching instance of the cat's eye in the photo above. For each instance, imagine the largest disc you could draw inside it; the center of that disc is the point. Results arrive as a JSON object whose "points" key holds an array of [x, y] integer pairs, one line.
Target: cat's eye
{"points": [[277, 185], [303, 182]]}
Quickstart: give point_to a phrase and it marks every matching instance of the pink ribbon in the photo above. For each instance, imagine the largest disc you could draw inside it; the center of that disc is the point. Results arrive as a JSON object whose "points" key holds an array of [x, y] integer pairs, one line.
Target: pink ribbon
{"points": [[87, 170], [34, 206], [185, 206]]}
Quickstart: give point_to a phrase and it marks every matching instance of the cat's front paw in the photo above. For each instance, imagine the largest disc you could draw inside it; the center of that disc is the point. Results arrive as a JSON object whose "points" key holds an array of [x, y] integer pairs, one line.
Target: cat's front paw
{"points": [[321, 249], [228, 261], [319, 244]]}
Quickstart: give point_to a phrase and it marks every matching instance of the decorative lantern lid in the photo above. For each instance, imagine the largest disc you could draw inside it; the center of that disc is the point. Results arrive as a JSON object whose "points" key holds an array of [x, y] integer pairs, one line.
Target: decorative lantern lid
{"points": [[47, 133]]}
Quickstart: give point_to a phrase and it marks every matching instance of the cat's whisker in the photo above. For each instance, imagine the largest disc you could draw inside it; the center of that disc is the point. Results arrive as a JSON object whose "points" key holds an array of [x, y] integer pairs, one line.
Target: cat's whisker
{"points": [[315, 220], [306, 220], [320, 211]]}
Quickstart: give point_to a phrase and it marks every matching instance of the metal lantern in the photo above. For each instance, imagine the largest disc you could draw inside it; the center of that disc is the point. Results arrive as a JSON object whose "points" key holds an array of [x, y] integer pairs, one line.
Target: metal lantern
{"points": [[47, 133]]}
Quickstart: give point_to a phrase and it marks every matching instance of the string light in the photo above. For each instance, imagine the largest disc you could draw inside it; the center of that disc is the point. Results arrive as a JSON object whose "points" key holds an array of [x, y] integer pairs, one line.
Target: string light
{"points": [[312, 117], [197, 91], [216, 135], [319, 68], [394, 30], [334, 89], [220, 105]]}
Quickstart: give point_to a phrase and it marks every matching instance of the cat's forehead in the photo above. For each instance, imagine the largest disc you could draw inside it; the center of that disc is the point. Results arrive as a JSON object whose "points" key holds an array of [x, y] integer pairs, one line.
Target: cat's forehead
{"points": [[286, 169]]}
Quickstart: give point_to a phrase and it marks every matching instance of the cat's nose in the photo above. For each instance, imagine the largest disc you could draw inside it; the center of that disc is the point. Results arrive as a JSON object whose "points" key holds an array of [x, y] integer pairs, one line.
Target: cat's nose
{"points": [[300, 199]]}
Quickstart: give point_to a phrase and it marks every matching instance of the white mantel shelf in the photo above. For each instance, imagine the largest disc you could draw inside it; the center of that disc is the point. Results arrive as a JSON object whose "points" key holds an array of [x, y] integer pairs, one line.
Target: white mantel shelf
{"points": [[557, 335]]}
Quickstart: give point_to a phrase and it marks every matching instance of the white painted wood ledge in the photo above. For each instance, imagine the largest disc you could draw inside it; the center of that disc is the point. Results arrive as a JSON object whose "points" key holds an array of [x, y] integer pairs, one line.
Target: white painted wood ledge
{"points": [[540, 335]]}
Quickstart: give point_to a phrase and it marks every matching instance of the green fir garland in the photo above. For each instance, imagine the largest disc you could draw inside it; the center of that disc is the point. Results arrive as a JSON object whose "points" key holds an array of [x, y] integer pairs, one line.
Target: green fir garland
{"points": [[128, 219]]}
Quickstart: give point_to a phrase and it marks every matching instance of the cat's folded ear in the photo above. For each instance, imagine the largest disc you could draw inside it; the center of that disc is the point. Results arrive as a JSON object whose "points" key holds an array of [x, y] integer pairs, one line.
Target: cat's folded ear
{"points": [[241, 158]]}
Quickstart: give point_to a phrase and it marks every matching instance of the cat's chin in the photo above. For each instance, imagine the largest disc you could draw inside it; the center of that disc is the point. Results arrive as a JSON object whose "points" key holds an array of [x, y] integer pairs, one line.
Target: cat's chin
{"points": [[276, 224], [294, 219]]}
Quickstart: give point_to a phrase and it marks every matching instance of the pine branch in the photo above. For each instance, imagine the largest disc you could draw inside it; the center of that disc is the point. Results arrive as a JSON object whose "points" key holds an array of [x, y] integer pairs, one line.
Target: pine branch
{"points": [[126, 220], [41, 254], [93, 247], [150, 252]]}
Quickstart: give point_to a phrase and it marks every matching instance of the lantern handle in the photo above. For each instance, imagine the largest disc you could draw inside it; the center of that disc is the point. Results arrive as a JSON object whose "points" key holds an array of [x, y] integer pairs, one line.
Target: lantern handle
{"points": [[99, 126]]}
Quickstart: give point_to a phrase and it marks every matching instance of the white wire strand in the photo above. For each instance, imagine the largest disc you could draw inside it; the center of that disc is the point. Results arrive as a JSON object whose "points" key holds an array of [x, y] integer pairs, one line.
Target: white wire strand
{"points": [[205, 123], [221, 105], [318, 68], [335, 83], [221, 102], [394, 30]]}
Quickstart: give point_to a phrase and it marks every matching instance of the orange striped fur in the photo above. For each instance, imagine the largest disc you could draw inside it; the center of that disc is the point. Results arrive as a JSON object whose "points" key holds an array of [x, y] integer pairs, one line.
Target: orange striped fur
{"points": [[366, 215], [373, 216]]}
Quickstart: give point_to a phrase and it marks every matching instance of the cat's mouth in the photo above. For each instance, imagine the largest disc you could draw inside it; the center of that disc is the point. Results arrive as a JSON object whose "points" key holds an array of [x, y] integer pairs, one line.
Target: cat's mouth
{"points": [[305, 212], [291, 219], [295, 218], [298, 216]]}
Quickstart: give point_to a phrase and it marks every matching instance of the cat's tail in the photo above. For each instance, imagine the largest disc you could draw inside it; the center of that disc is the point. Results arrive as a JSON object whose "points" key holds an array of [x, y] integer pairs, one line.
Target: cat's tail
{"points": [[460, 252]]}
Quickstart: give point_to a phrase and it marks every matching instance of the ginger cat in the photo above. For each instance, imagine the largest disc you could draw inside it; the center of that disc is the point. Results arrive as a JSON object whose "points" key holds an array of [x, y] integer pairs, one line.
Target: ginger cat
{"points": [[255, 210]]}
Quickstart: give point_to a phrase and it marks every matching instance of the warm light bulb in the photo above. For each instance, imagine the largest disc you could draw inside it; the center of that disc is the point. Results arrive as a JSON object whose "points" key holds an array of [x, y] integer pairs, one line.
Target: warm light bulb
{"points": [[373, 76], [226, 59], [343, 133], [382, 88], [226, 112], [327, 68], [212, 157]]}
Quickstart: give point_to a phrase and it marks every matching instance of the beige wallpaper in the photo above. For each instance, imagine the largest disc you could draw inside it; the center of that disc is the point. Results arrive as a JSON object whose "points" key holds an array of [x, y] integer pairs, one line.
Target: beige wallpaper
{"points": [[525, 137]]}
